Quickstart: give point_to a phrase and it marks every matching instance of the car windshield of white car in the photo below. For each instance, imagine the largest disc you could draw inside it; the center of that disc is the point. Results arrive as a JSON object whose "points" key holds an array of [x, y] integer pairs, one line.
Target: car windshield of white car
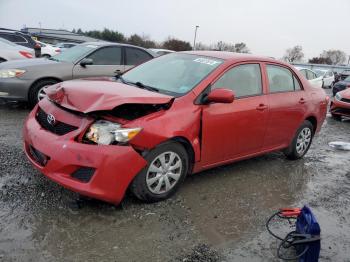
{"points": [[74, 53], [175, 73]]}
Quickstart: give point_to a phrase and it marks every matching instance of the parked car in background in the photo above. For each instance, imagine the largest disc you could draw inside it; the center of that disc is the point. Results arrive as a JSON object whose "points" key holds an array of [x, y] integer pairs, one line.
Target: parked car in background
{"points": [[344, 74], [174, 115], [10, 51], [314, 79], [327, 77], [340, 106], [64, 46], [48, 50], [160, 52], [341, 85], [25, 80], [18, 38]]}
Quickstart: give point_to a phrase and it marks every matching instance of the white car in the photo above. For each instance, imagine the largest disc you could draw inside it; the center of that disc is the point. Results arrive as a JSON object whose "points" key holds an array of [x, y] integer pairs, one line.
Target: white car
{"points": [[327, 76], [160, 52], [10, 51], [48, 50], [314, 79], [65, 46]]}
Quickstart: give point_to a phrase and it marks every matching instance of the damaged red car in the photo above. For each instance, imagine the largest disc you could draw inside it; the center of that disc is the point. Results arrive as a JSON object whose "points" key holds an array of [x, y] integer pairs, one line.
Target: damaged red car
{"points": [[169, 117], [340, 106]]}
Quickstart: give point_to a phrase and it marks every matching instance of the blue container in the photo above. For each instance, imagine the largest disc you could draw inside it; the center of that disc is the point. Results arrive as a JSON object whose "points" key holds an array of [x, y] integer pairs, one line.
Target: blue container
{"points": [[307, 224]]}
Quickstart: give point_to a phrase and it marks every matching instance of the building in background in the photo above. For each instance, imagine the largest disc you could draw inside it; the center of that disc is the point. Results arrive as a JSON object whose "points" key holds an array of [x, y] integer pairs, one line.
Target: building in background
{"points": [[53, 36]]}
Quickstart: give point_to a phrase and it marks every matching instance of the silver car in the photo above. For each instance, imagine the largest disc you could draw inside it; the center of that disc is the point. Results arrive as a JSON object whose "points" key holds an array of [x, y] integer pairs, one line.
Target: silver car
{"points": [[25, 80]]}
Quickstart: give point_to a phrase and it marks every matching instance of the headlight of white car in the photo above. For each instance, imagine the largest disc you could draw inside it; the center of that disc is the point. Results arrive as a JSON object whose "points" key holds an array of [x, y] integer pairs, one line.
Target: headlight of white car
{"points": [[338, 96], [8, 73], [105, 132]]}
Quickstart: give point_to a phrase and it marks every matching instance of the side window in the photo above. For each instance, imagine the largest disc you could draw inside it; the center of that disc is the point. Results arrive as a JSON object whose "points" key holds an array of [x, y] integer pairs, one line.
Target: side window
{"points": [[296, 83], [107, 56], [244, 80], [8, 37], [19, 39], [303, 72], [136, 56], [310, 75], [280, 79]]}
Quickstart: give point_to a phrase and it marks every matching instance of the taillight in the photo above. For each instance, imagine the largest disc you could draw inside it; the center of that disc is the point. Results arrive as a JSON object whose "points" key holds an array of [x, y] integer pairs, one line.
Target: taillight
{"points": [[58, 50], [26, 54]]}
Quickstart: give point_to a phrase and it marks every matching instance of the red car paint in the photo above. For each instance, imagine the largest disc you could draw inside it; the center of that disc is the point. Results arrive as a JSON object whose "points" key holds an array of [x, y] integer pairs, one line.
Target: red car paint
{"points": [[216, 133], [341, 107]]}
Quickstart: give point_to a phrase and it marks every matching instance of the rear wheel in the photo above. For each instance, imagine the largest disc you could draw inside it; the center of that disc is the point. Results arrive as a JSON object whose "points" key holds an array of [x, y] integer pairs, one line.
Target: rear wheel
{"points": [[301, 141], [36, 92], [167, 168]]}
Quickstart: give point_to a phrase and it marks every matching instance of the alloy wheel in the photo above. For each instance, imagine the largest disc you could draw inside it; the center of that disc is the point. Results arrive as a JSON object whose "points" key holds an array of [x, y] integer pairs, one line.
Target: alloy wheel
{"points": [[303, 140], [41, 93]]}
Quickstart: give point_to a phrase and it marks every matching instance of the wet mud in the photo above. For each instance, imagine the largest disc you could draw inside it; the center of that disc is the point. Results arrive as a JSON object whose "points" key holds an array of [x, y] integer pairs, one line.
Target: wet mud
{"points": [[217, 215]]}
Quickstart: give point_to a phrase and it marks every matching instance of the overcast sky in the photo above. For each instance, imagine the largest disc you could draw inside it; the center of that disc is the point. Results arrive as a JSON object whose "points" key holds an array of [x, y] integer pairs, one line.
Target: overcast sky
{"points": [[268, 27]]}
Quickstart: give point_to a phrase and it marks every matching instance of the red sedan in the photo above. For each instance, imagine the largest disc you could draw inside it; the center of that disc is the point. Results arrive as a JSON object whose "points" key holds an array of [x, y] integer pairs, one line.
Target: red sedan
{"points": [[340, 105], [174, 115]]}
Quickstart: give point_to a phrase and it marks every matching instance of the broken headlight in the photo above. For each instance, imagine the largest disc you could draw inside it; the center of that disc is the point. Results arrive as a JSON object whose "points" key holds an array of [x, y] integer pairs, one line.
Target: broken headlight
{"points": [[104, 132]]}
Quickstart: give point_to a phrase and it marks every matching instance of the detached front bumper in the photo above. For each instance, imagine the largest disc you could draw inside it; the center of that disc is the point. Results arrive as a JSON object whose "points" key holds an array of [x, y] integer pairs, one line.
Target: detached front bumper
{"points": [[110, 168], [14, 89], [340, 108]]}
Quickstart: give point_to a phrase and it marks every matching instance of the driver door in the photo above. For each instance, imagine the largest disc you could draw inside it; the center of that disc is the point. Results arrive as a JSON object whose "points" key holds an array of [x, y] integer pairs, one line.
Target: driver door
{"points": [[235, 130], [107, 61]]}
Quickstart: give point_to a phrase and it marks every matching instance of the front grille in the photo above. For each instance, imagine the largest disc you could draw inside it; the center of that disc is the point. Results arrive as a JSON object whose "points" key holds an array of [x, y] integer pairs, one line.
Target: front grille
{"points": [[83, 174], [58, 128], [345, 100], [38, 157]]}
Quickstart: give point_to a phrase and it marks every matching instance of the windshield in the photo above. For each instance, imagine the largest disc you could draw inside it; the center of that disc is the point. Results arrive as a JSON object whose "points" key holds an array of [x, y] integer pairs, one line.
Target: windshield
{"points": [[319, 72], [347, 79], [174, 73], [74, 53]]}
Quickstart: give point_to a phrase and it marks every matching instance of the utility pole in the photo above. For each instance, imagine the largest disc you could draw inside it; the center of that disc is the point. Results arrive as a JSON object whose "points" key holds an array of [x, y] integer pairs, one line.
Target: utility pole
{"points": [[195, 36]]}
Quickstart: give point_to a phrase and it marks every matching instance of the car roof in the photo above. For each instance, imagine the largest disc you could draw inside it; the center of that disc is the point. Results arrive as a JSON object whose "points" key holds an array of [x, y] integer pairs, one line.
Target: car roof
{"points": [[231, 56]]}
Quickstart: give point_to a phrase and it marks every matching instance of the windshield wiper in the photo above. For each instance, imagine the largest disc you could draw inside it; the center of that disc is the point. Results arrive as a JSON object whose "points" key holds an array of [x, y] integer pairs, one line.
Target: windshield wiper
{"points": [[53, 59], [150, 88]]}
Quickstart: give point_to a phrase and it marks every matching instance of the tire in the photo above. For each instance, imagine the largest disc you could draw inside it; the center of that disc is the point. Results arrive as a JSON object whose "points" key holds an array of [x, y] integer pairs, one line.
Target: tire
{"points": [[33, 96], [46, 56], [336, 117], [301, 141], [150, 185]]}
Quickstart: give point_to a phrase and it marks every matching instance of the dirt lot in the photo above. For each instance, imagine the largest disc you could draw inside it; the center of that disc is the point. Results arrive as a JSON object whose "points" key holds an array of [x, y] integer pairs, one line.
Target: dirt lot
{"points": [[218, 215]]}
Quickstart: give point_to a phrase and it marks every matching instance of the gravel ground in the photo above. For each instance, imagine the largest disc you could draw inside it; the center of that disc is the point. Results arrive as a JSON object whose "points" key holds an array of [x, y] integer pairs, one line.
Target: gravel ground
{"points": [[217, 215]]}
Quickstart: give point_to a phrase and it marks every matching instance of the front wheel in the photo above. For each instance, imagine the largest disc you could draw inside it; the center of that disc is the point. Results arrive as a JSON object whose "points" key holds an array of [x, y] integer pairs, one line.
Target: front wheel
{"points": [[36, 92], [167, 168], [301, 141]]}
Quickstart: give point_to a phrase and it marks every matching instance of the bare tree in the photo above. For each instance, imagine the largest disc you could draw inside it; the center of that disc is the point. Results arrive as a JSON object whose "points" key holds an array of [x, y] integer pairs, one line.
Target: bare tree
{"points": [[335, 56], [241, 48], [294, 54]]}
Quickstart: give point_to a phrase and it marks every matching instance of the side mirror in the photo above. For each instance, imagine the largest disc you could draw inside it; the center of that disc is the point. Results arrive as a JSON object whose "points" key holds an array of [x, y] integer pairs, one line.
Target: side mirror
{"points": [[220, 95], [86, 61]]}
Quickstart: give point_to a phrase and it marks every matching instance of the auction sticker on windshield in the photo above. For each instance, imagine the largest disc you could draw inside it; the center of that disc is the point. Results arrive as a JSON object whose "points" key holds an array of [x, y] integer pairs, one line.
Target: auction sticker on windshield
{"points": [[206, 61]]}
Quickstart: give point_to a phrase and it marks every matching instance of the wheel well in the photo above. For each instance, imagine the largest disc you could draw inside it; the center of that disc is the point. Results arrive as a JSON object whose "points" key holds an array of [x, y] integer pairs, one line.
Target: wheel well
{"points": [[41, 79], [187, 145], [313, 121]]}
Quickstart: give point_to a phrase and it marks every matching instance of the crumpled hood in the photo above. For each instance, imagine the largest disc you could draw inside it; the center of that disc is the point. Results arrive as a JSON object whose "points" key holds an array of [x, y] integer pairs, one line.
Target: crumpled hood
{"points": [[89, 95]]}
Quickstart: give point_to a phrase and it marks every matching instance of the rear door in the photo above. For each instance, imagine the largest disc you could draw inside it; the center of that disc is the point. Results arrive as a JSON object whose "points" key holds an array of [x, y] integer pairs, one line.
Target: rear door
{"points": [[237, 129], [135, 56], [287, 101], [107, 61]]}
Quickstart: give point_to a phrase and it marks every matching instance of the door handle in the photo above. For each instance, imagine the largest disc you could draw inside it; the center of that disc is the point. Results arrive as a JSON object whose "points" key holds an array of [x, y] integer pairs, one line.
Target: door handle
{"points": [[302, 101], [261, 107]]}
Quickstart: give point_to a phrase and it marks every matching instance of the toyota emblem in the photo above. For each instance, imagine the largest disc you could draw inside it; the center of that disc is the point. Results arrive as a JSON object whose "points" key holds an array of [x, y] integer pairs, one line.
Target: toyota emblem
{"points": [[51, 119]]}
